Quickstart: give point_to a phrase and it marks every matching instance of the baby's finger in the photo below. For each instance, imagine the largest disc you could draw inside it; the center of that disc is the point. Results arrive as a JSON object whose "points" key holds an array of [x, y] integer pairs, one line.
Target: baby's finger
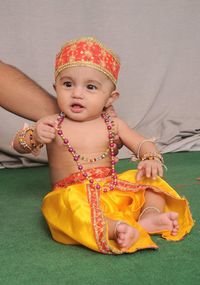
{"points": [[148, 170], [118, 142], [160, 170], [116, 151], [139, 174], [49, 129], [48, 135], [154, 172], [48, 122], [140, 165]]}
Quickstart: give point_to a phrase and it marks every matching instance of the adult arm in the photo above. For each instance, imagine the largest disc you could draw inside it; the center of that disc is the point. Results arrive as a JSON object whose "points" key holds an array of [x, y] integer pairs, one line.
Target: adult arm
{"points": [[22, 96]]}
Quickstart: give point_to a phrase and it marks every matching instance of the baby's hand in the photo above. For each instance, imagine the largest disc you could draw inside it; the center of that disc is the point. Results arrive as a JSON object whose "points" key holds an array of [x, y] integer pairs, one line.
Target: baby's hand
{"points": [[44, 131], [149, 169]]}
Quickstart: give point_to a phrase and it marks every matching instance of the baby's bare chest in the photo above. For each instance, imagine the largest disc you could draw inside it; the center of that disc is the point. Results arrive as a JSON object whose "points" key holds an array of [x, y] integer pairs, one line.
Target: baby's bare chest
{"points": [[89, 137]]}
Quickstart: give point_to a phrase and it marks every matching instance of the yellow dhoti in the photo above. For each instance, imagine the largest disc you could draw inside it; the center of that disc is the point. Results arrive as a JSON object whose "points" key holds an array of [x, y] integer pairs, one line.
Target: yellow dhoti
{"points": [[75, 211]]}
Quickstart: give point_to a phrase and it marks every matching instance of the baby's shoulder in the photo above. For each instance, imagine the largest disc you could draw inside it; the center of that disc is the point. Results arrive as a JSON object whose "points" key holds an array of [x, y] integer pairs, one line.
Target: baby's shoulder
{"points": [[122, 126], [118, 123]]}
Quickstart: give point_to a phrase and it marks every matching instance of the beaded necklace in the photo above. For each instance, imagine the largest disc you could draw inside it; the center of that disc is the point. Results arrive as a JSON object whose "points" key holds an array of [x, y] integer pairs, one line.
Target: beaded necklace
{"points": [[94, 159], [76, 157]]}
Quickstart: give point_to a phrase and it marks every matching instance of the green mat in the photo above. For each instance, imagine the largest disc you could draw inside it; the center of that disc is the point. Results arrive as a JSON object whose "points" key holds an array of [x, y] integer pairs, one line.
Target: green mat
{"points": [[30, 257]]}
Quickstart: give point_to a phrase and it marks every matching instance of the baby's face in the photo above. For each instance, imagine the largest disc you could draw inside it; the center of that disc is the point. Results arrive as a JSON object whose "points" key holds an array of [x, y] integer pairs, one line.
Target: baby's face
{"points": [[83, 92]]}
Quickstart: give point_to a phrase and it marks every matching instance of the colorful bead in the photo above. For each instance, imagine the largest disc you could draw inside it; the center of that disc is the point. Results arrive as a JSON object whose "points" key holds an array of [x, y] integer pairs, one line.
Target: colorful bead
{"points": [[60, 132], [98, 186]]}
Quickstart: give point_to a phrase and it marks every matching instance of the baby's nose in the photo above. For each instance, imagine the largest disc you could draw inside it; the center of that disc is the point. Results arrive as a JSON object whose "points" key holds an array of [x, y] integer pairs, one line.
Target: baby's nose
{"points": [[78, 93]]}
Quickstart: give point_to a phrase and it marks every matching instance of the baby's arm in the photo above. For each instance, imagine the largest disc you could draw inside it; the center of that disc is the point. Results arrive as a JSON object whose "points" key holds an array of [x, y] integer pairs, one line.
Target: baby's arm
{"points": [[150, 164], [31, 139]]}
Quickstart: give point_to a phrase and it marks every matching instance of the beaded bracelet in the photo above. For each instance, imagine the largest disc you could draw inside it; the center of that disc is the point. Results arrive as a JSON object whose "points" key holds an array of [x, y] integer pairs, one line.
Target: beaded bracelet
{"points": [[22, 139], [33, 148], [33, 144], [152, 156]]}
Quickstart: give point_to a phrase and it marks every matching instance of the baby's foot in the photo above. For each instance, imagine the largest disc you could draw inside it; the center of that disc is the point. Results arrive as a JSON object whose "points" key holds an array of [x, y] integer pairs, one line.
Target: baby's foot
{"points": [[158, 222], [125, 235]]}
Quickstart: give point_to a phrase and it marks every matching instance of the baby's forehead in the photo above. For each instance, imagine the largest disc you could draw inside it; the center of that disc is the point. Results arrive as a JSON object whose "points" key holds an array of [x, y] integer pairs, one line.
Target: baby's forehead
{"points": [[84, 72]]}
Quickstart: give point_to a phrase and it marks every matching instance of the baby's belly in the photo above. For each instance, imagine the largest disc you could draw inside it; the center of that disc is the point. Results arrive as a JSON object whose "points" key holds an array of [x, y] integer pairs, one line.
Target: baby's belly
{"points": [[59, 172]]}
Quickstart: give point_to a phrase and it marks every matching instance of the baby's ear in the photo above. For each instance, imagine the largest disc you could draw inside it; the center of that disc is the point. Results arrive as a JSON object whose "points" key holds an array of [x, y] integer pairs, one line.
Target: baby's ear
{"points": [[113, 97]]}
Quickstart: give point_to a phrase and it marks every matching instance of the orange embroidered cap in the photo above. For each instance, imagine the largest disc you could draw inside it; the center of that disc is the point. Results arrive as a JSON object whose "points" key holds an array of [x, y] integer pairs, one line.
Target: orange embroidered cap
{"points": [[89, 52]]}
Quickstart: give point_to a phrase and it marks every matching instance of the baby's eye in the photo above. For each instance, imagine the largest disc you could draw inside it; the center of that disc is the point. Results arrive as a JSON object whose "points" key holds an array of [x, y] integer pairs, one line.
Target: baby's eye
{"points": [[67, 84], [91, 87]]}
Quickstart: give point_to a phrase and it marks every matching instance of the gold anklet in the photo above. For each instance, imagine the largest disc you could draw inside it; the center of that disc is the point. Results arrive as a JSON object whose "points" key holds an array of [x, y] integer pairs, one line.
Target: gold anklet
{"points": [[146, 209]]}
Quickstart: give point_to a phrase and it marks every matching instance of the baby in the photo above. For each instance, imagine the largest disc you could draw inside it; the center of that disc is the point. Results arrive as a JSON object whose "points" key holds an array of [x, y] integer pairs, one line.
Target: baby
{"points": [[90, 203]]}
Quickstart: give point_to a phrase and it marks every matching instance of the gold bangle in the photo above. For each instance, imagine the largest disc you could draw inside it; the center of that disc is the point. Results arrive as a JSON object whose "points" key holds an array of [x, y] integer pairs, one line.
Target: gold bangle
{"points": [[152, 156], [152, 140]]}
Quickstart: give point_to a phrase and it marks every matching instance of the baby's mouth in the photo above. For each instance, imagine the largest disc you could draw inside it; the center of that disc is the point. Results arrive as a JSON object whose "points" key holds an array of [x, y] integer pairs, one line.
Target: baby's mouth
{"points": [[76, 108]]}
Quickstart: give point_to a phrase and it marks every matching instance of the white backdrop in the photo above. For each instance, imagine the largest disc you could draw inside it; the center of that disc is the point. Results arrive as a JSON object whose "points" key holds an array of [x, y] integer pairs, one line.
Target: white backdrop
{"points": [[158, 42]]}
